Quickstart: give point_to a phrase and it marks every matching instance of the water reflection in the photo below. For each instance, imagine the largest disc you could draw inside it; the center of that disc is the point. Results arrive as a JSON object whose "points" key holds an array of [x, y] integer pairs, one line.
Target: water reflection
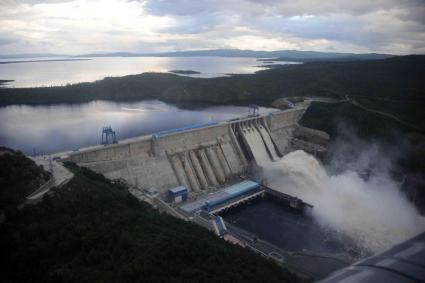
{"points": [[64, 127], [62, 72]]}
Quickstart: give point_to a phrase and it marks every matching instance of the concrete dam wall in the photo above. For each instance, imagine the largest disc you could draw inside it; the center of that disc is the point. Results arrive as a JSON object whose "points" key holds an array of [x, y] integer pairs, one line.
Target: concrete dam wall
{"points": [[202, 157]]}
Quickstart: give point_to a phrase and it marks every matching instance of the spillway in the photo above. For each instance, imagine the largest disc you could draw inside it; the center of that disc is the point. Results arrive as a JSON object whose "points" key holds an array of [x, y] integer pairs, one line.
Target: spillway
{"points": [[265, 135], [254, 142]]}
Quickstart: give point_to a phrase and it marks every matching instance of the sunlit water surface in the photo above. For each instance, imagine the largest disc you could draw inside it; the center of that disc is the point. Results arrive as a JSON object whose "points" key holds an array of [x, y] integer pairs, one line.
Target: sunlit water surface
{"points": [[33, 74]]}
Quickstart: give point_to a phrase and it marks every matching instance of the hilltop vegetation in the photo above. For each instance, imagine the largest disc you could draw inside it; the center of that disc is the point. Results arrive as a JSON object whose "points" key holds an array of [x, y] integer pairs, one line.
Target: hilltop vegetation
{"points": [[93, 230]]}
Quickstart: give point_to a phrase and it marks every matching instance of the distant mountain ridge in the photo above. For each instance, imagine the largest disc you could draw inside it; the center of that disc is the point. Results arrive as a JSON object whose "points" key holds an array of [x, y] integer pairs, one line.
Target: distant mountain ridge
{"points": [[287, 54], [280, 54], [31, 55]]}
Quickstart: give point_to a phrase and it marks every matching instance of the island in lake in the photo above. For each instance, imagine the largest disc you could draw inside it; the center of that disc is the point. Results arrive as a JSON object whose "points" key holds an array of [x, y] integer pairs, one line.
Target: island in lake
{"points": [[184, 72]]}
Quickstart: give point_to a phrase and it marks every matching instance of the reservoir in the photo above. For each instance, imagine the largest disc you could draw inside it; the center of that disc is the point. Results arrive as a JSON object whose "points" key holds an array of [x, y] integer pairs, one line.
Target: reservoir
{"points": [[47, 129]]}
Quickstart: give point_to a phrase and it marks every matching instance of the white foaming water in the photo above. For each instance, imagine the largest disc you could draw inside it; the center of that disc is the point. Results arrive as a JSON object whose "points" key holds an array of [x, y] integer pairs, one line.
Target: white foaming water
{"points": [[253, 138], [374, 212]]}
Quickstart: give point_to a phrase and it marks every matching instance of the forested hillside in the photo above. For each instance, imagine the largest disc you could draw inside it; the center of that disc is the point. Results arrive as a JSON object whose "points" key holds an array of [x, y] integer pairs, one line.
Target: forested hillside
{"points": [[19, 176], [93, 230]]}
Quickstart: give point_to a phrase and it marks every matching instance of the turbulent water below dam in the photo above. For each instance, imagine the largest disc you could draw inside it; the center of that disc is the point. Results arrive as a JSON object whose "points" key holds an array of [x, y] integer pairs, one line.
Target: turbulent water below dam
{"points": [[351, 215]]}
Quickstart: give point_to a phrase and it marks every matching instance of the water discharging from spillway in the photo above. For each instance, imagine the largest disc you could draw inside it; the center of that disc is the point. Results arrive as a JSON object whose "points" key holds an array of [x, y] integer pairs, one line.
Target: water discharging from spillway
{"points": [[259, 141], [373, 212]]}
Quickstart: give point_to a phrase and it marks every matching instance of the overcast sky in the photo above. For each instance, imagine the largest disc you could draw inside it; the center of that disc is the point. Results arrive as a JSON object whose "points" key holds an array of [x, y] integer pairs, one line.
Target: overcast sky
{"points": [[84, 26]]}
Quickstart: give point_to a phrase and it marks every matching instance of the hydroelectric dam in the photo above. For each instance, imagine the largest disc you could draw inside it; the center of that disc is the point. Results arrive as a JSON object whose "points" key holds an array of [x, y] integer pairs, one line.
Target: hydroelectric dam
{"points": [[203, 157], [206, 173], [199, 173]]}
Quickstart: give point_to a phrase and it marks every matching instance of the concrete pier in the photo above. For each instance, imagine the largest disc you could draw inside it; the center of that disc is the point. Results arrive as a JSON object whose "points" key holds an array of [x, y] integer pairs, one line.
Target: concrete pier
{"points": [[207, 168], [198, 169], [212, 157]]}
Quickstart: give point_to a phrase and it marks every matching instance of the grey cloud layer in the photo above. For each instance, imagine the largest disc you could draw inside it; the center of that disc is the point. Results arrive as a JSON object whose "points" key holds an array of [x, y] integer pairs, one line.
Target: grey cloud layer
{"points": [[375, 25], [391, 26]]}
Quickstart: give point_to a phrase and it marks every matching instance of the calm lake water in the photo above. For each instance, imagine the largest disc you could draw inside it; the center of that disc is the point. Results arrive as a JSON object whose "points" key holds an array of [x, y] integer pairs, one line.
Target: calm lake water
{"points": [[47, 129], [32, 74]]}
